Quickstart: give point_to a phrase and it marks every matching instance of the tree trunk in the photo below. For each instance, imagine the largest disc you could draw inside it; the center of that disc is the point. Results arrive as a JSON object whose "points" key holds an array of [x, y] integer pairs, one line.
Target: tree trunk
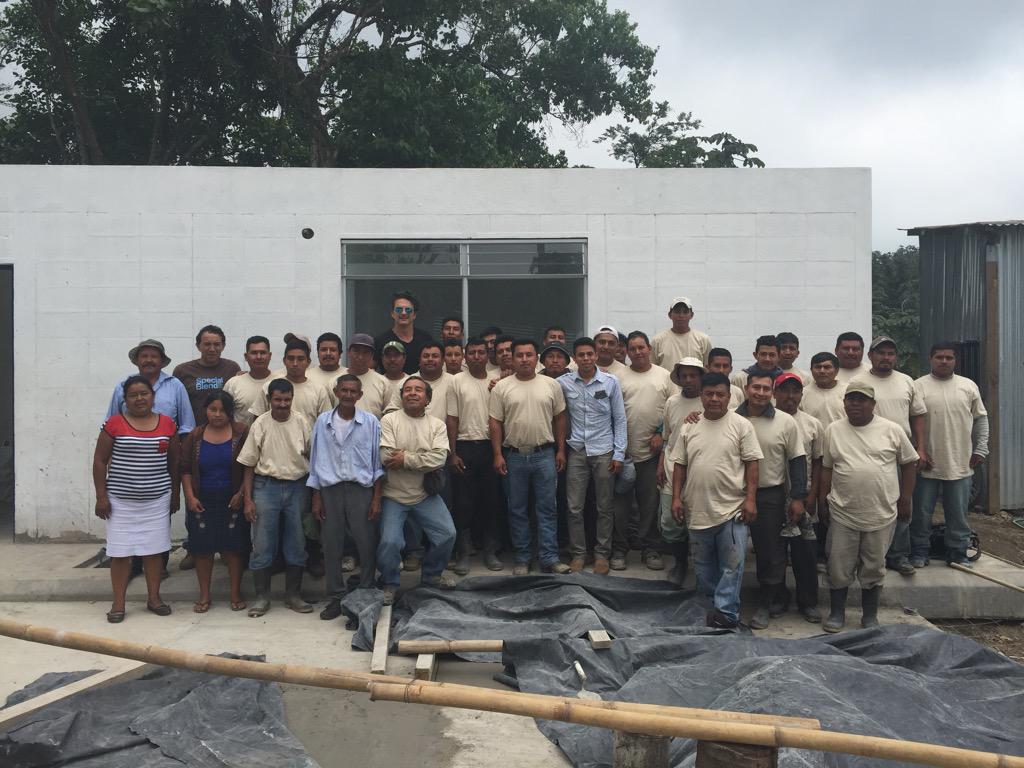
{"points": [[88, 143]]}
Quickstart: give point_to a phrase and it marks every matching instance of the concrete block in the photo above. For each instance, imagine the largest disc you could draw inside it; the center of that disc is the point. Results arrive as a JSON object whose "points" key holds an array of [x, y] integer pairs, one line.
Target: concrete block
{"points": [[829, 297], [779, 273], [165, 225], [731, 273], [624, 272], [268, 274], [781, 249], [731, 225], [275, 250], [674, 225], [217, 249], [161, 299], [684, 249], [167, 324], [160, 248], [515, 225], [825, 273], [636, 249], [120, 224], [828, 248], [566, 225], [781, 224], [679, 276], [730, 249], [62, 299], [61, 325], [831, 224], [117, 324], [118, 249], [629, 226]]}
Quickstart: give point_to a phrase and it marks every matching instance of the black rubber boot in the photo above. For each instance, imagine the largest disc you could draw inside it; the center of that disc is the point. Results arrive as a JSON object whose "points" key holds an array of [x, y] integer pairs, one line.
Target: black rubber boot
{"points": [[461, 566], [293, 590], [762, 614], [681, 553], [261, 586], [837, 610], [491, 559], [869, 606]]}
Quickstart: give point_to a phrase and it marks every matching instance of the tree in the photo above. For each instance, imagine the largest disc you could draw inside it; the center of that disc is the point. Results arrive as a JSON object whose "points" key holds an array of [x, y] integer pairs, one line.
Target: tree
{"points": [[896, 303], [661, 142]]}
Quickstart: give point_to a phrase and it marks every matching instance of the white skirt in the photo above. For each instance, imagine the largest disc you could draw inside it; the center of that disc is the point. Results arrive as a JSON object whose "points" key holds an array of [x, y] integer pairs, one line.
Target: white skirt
{"points": [[139, 527]]}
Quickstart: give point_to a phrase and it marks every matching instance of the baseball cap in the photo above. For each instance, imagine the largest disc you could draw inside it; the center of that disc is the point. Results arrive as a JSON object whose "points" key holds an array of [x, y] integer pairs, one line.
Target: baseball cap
{"points": [[859, 386], [133, 353], [686, 362], [782, 378], [558, 346], [361, 340], [681, 300], [396, 345], [290, 337], [605, 329], [879, 341]]}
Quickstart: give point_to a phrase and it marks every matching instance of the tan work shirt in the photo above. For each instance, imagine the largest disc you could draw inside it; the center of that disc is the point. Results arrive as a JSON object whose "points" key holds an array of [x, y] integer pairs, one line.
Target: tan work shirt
{"points": [[308, 398], [669, 347], [467, 400], [826, 405], [779, 440], [644, 395], [896, 398], [247, 392], [278, 449], [953, 404], [526, 409], [424, 440]]}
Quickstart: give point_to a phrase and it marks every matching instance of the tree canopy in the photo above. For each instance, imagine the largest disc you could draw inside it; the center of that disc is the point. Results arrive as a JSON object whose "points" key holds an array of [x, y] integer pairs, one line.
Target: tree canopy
{"points": [[896, 303]]}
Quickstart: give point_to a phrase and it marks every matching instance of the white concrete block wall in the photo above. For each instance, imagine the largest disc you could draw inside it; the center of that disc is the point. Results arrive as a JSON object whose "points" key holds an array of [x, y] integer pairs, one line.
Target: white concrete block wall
{"points": [[105, 256]]}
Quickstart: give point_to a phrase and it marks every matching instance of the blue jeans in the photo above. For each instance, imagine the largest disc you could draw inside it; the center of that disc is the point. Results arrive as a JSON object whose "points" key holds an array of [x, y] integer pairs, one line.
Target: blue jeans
{"points": [[433, 518], [720, 553], [279, 507], [536, 470], [413, 534], [955, 496]]}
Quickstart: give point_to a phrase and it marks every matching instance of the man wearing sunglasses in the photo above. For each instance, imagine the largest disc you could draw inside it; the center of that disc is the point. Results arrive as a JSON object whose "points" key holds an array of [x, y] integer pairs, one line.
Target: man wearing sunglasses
{"points": [[403, 329]]}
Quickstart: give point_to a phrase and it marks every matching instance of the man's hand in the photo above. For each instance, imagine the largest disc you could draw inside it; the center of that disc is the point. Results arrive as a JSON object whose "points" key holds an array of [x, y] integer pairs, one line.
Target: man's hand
{"points": [[924, 461], [904, 508], [823, 513], [194, 505], [374, 508], [236, 501], [976, 460], [499, 465], [657, 441], [395, 461], [796, 510], [748, 512], [490, 386], [318, 508], [615, 467], [457, 465], [659, 474], [103, 508], [559, 461], [692, 417], [175, 503], [249, 510], [677, 511]]}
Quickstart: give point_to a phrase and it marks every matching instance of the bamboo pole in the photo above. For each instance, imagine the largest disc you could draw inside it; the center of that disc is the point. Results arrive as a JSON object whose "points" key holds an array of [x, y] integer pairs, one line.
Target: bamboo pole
{"points": [[570, 710], [416, 647], [1000, 582]]}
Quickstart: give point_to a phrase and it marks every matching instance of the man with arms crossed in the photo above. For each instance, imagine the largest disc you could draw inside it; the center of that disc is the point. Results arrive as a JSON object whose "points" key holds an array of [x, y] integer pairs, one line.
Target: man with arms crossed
{"points": [[868, 476], [528, 431], [957, 440], [597, 447], [714, 491]]}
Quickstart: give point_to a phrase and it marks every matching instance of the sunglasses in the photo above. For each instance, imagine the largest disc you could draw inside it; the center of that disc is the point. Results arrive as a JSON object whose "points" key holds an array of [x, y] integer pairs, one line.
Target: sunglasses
{"points": [[404, 310]]}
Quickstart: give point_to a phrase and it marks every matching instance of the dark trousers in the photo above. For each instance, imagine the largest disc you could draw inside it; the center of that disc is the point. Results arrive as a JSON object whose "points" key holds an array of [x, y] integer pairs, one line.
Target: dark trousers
{"points": [[346, 506], [648, 501], [477, 491], [803, 557], [769, 546]]}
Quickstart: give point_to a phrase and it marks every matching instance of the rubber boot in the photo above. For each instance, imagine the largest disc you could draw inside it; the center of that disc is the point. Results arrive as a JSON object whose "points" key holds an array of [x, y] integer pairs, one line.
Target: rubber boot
{"points": [[491, 559], [836, 611], [681, 553], [762, 613], [869, 606], [261, 585], [293, 590], [461, 566], [315, 559]]}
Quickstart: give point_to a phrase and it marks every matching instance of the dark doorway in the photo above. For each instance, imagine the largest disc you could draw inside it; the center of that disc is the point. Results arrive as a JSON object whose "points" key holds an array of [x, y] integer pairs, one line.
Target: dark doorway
{"points": [[7, 401]]}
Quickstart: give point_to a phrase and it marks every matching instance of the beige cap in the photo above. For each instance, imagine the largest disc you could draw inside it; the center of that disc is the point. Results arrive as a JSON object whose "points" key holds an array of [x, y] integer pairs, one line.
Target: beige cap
{"points": [[862, 387], [681, 300], [686, 362]]}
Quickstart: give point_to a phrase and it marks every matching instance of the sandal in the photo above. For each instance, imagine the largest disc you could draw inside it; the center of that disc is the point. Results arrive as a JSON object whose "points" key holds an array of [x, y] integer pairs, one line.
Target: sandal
{"points": [[115, 617], [239, 605], [201, 606], [161, 610]]}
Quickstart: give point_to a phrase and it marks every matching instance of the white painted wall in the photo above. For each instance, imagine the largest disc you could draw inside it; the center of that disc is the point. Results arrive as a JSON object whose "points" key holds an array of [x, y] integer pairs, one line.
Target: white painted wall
{"points": [[106, 256]]}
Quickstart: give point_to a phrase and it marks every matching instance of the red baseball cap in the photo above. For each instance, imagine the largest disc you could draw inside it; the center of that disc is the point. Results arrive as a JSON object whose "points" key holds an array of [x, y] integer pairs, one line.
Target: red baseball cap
{"points": [[782, 378]]}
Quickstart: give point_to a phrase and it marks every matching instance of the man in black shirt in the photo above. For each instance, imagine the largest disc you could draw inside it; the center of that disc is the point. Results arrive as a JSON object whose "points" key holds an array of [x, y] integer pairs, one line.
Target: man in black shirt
{"points": [[403, 315]]}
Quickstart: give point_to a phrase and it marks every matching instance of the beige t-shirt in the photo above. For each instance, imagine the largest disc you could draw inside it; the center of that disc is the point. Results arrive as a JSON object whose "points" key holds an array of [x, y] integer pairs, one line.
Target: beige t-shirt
{"points": [[467, 400], [953, 404], [425, 443], [615, 369], [644, 395], [677, 408], [896, 398], [438, 405], [246, 391], [846, 375], [326, 379], [392, 389], [526, 409], [278, 449], [865, 477], [736, 397], [826, 405], [805, 376], [669, 347], [812, 438], [308, 398], [779, 440], [376, 392], [714, 452]]}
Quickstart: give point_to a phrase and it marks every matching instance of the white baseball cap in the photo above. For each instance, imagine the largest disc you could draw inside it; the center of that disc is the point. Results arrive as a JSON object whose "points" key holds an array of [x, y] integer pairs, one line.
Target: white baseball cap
{"points": [[681, 300], [606, 329]]}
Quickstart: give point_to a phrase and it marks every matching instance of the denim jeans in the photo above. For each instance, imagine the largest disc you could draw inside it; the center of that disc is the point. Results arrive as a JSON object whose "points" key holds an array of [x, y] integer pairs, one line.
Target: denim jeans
{"points": [[536, 470], [413, 533], [433, 518], [955, 497], [279, 508], [720, 553]]}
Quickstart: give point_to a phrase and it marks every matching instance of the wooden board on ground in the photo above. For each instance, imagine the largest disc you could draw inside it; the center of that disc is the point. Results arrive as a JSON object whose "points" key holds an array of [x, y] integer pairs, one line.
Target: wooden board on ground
{"points": [[599, 639], [426, 666], [381, 640], [10, 716]]}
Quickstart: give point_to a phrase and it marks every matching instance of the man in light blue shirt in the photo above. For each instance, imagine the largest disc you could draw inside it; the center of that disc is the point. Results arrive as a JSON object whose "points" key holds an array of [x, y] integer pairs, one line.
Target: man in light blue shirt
{"points": [[345, 473], [597, 447], [170, 396]]}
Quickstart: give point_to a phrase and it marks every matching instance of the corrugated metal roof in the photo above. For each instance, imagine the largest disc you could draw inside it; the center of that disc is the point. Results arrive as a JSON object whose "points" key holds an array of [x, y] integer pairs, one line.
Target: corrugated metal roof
{"points": [[1007, 223]]}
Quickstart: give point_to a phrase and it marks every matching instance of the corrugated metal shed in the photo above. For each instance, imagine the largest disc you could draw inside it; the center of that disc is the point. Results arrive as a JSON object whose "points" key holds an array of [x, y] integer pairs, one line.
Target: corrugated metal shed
{"points": [[953, 308]]}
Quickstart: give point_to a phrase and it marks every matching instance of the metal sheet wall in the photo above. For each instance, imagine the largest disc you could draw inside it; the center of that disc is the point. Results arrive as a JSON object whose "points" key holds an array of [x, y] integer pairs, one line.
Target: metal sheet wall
{"points": [[1010, 256]]}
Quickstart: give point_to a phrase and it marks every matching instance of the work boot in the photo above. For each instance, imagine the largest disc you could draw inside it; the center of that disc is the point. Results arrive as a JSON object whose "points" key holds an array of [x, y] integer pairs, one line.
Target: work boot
{"points": [[780, 601], [601, 566], [869, 606], [681, 553], [577, 563], [411, 563], [491, 559], [811, 613], [652, 559], [762, 613], [261, 585], [293, 590], [461, 566], [836, 610], [332, 611]]}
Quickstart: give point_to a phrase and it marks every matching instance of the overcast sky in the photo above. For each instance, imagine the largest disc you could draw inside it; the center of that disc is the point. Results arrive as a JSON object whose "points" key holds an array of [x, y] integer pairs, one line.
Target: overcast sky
{"points": [[929, 95]]}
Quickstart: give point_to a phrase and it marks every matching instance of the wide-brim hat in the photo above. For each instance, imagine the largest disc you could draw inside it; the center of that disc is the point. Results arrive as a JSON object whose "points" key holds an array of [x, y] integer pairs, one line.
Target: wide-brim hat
{"points": [[686, 362], [133, 353]]}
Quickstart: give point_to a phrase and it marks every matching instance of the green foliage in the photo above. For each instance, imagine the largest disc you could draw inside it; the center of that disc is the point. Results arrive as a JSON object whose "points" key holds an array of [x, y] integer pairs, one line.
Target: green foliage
{"points": [[896, 303], [658, 141]]}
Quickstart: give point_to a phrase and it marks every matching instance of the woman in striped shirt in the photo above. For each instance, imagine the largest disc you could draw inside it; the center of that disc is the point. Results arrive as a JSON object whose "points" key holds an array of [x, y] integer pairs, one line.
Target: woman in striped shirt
{"points": [[135, 471]]}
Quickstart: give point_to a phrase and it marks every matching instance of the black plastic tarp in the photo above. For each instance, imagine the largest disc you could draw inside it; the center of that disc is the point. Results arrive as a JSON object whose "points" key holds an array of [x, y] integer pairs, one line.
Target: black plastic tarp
{"points": [[168, 718], [904, 682]]}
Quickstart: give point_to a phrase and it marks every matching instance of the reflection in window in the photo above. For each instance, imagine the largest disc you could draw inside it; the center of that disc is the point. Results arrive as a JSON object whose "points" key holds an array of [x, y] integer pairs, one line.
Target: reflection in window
{"points": [[526, 258], [401, 259]]}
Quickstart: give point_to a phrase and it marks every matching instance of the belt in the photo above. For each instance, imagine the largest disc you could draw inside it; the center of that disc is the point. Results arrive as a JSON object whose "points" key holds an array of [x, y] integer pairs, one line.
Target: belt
{"points": [[527, 450]]}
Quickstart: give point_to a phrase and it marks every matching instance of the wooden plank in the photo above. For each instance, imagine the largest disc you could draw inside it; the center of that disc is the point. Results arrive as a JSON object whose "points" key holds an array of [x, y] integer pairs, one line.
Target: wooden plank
{"points": [[634, 750], [426, 666], [381, 640], [10, 716], [721, 754], [599, 639], [416, 647]]}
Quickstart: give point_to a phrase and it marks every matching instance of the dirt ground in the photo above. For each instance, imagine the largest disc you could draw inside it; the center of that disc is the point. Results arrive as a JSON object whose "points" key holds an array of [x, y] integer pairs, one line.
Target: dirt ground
{"points": [[1000, 537]]}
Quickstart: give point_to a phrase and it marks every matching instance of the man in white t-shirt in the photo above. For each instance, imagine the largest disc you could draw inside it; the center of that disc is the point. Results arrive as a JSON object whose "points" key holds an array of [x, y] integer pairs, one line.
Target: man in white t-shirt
{"points": [[714, 490], [607, 340], [720, 361], [850, 353], [326, 373], [248, 389], [679, 341], [957, 442], [789, 351], [868, 475]]}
